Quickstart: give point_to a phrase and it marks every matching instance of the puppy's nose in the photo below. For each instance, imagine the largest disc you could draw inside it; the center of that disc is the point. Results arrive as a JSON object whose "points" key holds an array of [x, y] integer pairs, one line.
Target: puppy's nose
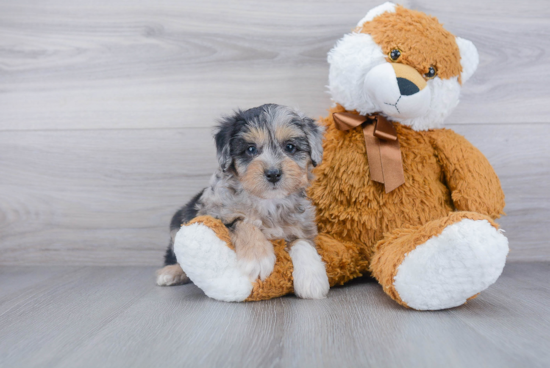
{"points": [[273, 175]]}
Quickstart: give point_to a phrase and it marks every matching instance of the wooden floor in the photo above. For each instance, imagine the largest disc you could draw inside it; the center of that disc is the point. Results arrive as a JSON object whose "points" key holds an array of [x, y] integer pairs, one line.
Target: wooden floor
{"points": [[117, 317]]}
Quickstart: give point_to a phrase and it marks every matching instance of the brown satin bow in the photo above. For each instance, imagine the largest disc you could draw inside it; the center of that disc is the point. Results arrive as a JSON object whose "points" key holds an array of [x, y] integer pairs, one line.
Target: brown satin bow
{"points": [[383, 151]]}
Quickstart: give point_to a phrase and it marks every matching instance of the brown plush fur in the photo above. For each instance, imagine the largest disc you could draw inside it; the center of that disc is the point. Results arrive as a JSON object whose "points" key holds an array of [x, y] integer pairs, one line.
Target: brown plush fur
{"points": [[421, 38], [456, 155], [280, 282]]}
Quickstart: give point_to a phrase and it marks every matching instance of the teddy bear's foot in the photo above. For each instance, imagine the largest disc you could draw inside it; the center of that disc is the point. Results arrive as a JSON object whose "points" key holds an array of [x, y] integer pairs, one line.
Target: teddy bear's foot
{"points": [[442, 263], [210, 263], [450, 268]]}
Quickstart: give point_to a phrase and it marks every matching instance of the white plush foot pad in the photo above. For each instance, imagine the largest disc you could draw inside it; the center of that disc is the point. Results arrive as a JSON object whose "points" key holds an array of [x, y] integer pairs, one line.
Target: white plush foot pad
{"points": [[211, 264], [465, 259], [310, 275]]}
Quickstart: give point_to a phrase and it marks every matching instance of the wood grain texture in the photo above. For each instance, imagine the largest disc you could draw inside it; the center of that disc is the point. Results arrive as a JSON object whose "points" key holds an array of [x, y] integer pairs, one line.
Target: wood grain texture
{"points": [[106, 110], [116, 317], [105, 197], [159, 64]]}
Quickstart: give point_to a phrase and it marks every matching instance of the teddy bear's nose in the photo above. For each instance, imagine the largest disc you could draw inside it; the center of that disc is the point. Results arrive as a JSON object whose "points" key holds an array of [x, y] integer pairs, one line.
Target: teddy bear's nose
{"points": [[406, 87], [409, 80]]}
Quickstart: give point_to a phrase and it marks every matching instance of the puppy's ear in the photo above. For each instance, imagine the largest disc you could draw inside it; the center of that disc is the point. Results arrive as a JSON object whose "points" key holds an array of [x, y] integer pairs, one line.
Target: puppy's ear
{"points": [[224, 132], [314, 133]]}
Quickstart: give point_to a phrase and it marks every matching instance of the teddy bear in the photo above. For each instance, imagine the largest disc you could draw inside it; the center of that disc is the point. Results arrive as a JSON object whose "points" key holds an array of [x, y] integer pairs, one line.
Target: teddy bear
{"points": [[398, 197]]}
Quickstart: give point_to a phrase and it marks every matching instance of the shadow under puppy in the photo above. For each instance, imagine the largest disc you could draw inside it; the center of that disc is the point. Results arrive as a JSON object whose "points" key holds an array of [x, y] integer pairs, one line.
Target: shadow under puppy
{"points": [[266, 155]]}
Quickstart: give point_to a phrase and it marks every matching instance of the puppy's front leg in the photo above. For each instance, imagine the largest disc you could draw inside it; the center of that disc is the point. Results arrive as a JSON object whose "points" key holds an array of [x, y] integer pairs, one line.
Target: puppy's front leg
{"points": [[310, 275], [254, 252]]}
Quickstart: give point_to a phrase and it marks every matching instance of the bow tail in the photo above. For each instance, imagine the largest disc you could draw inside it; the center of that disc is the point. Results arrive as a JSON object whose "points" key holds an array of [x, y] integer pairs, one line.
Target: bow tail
{"points": [[385, 163], [373, 154], [392, 164]]}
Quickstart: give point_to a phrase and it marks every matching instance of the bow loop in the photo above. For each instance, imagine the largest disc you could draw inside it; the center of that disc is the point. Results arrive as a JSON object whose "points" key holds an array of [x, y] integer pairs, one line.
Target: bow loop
{"points": [[346, 120], [383, 150], [383, 129]]}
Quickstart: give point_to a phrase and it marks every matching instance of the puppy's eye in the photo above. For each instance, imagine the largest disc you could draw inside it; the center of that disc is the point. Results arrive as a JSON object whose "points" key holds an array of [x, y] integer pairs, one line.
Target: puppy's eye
{"points": [[432, 72], [394, 54], [290, 148], [251, 151]]}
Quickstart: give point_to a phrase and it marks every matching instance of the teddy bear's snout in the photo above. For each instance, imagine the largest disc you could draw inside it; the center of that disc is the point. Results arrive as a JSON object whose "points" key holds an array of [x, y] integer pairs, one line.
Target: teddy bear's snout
{"points": [[409, 80], [397, 90]]}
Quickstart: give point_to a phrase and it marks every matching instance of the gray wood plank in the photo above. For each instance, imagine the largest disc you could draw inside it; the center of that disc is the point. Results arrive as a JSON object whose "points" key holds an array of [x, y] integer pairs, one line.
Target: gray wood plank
{"points": [[15, 282], [51, 319], [105, 197], [528, 284], [151, 64], [115, 317]]}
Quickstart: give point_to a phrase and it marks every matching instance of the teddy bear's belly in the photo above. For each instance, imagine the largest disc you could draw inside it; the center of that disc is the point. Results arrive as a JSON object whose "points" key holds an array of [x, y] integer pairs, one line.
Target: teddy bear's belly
{"points": [[351, 207], [366, 221]]}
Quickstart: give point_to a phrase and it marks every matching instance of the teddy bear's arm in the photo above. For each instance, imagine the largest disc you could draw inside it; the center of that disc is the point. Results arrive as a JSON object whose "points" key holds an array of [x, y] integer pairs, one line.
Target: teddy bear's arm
{"points": [[472, 180]]}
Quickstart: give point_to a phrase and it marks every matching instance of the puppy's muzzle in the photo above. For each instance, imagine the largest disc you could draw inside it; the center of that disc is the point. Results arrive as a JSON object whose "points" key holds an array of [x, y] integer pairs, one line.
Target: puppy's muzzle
{"points": [[273, 175]]}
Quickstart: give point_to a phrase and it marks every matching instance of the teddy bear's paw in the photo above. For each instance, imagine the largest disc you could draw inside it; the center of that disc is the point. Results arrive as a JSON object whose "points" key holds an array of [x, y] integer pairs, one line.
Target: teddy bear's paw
{"points": [[211, 264], [448, 269], [310, 275]]}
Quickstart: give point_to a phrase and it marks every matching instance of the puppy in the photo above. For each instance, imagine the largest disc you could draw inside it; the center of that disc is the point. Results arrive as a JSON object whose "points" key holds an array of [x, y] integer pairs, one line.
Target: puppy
{"points": [[266, 155]]}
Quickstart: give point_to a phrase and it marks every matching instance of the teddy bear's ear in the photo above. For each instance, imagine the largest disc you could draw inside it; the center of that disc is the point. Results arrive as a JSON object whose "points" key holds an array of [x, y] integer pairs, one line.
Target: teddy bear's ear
{"points": [[374, 12], [469, 58]]}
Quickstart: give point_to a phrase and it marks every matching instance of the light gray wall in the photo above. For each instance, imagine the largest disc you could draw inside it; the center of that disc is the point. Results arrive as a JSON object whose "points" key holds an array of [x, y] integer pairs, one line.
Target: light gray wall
{"points": [[106, 109]]}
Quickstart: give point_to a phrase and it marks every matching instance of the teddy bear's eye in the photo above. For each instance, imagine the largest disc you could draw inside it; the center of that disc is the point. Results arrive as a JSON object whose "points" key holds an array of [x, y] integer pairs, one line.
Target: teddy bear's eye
{"points": [[432, 72], [394, 54]]}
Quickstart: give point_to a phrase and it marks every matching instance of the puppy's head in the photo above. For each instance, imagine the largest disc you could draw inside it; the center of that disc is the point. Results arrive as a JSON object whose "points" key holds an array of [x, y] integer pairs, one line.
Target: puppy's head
{"points": [[270, 149]]}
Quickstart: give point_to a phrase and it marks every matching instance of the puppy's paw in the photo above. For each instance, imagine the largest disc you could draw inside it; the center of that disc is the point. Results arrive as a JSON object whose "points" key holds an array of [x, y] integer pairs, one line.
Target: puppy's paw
{"points": [[171, 275], [255, 254], [310, 275], [255, 267]]}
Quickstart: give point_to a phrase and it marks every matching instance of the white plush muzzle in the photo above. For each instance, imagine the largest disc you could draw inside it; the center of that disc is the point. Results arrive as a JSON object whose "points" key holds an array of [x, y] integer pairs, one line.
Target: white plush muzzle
{"points": [[381, 85]]}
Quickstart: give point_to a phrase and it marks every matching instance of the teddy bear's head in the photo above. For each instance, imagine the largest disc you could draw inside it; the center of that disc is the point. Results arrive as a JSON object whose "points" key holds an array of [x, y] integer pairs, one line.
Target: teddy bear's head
{"points": [[401, 63]]}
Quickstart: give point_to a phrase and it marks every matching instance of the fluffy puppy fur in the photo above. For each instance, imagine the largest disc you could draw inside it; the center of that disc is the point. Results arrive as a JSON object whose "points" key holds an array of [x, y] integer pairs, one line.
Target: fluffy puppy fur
{"points": [[265, 157]]}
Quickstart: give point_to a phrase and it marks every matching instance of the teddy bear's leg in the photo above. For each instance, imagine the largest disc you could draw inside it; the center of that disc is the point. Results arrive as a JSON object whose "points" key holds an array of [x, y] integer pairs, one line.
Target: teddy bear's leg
{"points": [[204, 250], [342, 261], [442, 263]]}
